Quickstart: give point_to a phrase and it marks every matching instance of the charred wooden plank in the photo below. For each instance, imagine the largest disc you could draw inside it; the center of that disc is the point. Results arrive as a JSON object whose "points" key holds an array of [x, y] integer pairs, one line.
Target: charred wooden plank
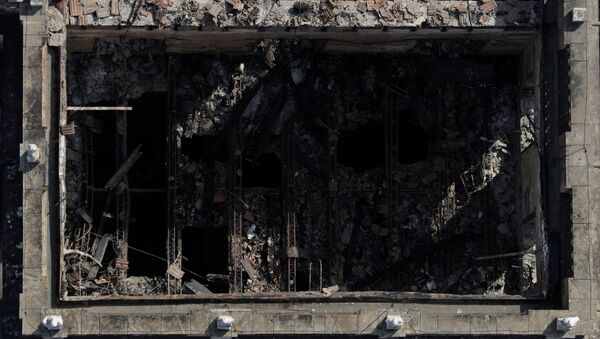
{"points": [[122, 171]]}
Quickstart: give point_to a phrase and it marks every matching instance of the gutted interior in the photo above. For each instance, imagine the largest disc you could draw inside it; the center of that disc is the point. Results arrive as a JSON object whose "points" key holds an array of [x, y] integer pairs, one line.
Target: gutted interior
{"points": [[298, 168], [282, 168]]}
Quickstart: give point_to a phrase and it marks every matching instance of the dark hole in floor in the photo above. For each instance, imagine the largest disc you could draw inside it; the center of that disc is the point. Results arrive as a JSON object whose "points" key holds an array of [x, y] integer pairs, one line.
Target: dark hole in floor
{"points": [[265, 172], [364, 147], [205, 251]]}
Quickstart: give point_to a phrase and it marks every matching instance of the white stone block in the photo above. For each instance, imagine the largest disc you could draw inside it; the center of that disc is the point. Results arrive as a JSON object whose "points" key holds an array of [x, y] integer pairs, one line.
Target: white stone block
{"points": [[33, 153], [53, 322], [224, 323], [393, 322], [566, 324], [578, 14]]}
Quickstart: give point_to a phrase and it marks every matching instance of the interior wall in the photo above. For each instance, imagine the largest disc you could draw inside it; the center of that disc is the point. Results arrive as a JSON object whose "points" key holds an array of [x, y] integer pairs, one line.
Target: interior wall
{"points": [[532, 228]]}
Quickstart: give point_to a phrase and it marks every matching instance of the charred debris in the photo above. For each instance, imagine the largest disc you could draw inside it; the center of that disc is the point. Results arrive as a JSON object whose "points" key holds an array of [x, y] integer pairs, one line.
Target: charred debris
{"points": [[286, 169]]}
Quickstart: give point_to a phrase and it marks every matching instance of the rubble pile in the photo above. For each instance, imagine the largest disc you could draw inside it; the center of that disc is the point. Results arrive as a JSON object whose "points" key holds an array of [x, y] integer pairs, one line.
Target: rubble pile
{"points": [[303, 13], [261, 257], [120, 69], [429, 213], [192, 208], [208, 93]]}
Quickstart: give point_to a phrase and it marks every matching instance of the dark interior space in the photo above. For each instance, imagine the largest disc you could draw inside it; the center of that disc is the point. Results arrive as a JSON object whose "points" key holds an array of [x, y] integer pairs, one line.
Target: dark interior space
{"points": [[146, 127], [364, 147], [205, 251], [265, 172], [302, 279], [148, 233], [104, 145], [205, 148], [148, 224], [412, 139], [370, 221], [148, 210]]}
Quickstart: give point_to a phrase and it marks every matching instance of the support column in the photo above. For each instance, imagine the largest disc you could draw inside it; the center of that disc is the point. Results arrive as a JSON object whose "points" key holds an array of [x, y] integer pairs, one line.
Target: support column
{"points": [[123, 197], [332, 147], [289, 182], [235, 232], [174, 255], [391, 151]]}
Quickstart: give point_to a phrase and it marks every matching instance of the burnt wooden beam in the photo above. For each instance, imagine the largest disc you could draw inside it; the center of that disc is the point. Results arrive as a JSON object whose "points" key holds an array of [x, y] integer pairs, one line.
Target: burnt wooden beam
{"points": [[125, 167], [98, 256], [99, 108]]}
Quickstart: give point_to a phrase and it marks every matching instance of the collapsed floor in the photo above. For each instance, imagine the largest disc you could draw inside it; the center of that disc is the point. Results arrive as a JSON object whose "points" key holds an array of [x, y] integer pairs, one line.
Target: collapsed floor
{"points": [[290, 170]]}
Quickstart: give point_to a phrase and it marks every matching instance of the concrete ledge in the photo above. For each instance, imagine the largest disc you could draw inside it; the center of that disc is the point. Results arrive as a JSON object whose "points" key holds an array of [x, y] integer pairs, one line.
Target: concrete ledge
{"points": [[340, 297]]}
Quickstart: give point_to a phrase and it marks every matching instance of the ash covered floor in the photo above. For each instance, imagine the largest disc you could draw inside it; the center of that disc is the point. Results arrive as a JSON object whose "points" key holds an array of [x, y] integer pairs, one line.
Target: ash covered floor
{"points": [[291, 170]]}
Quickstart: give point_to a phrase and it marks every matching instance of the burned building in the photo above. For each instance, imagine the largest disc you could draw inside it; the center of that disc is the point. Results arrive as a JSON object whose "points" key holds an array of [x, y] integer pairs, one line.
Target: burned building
{"points": [[311, 176], [255, 167]]}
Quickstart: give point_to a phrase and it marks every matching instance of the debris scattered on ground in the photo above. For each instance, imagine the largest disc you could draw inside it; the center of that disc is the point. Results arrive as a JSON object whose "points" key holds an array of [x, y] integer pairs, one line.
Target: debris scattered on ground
{"points": [[56, 27], [373, 208]]}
